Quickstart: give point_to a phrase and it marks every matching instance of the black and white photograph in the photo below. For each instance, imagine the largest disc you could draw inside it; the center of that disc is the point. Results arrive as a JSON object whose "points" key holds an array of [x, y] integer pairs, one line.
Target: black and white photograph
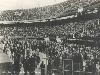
{"points": [[49, 37]]}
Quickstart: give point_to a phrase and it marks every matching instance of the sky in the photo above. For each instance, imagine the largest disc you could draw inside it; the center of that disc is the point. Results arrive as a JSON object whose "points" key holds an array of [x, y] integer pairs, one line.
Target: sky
{"points": [[25, 4]]}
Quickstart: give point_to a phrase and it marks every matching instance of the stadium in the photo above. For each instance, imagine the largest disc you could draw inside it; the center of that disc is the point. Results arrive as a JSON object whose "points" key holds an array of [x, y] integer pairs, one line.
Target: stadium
{"points": [[60, 39]]}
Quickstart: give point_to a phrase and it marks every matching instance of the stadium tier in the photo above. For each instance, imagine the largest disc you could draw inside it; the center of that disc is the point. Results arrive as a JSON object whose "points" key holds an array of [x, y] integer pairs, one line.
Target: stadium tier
{"points": [[67, 39], [54, 11]]}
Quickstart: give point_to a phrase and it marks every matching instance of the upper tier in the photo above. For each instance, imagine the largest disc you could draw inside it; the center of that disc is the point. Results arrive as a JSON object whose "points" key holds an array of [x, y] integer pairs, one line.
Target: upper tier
{"points": [[51, 11]]}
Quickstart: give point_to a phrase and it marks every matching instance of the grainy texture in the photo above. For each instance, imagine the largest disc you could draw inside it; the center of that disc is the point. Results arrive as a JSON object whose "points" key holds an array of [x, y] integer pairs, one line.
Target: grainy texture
{"points": [[60, 39]]}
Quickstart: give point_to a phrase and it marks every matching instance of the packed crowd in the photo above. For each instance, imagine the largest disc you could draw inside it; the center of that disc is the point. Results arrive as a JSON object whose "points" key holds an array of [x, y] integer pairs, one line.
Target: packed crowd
{"points": [[44, 12], [23, 43], [20, 47], [22, 55], [71, 30], [85, 58]]}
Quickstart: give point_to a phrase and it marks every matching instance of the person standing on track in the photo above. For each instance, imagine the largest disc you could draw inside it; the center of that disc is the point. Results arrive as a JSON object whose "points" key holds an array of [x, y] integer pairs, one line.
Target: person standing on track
{"points": [[32, 65], [26, 65], [42, 68]]}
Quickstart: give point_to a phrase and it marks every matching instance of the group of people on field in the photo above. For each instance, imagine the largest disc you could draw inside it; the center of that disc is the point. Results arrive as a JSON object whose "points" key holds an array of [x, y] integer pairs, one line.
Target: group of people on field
{"points": [[29, 64]]}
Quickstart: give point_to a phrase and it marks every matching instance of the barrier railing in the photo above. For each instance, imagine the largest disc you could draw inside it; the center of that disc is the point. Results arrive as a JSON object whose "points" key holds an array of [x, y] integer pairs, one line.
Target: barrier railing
{"points": [[70, 68], [67, 67]]}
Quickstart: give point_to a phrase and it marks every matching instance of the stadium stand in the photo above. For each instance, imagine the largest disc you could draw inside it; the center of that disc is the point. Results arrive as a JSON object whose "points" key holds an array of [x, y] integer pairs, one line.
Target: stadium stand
{"points": [[58, 10], [79, 35]]}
